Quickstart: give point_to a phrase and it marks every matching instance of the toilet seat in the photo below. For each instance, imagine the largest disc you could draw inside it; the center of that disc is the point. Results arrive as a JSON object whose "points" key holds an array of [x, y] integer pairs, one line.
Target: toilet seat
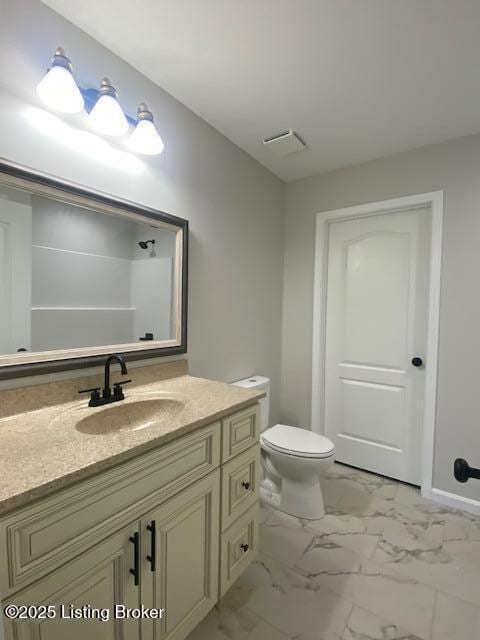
{"points": [[297, 442]]}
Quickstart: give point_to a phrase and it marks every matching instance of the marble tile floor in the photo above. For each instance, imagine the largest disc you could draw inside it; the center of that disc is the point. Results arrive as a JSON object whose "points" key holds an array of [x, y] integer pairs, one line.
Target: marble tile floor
{"points": [[384, 564]]}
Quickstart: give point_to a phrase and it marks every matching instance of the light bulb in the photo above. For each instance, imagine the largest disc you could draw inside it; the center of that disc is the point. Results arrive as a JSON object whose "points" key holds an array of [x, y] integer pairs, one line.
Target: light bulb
{"points": [[58, 89], [107, 116], [145, 138]]}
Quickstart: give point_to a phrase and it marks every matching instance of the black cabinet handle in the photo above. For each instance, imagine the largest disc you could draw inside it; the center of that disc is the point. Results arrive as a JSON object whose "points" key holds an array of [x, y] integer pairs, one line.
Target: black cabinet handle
{"points": [[152, 558], [417, 362], [135, 539], [463, 471], [244, 547], [246, 485]]}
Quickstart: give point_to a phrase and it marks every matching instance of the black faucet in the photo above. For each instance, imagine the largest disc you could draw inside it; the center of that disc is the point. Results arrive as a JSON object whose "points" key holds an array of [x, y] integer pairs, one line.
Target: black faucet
{"points": [[108, 395]]}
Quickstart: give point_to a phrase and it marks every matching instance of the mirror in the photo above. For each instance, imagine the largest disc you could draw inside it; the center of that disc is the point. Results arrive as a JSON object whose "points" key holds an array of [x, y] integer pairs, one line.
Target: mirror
{"points": [[83, 274]]}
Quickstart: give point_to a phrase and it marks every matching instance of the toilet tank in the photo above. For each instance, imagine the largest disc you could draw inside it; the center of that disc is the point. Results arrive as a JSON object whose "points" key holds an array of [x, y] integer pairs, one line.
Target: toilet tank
{"points": [[259, 383]]}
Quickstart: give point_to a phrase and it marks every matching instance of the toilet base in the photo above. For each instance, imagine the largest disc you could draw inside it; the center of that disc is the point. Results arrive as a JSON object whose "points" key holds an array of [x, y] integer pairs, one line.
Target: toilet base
{"points": [[297, 499], [270, 497]]}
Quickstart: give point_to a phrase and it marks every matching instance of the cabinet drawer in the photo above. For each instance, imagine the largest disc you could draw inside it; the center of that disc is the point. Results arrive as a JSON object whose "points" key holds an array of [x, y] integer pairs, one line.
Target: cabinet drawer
{"points": [[240, 431], [38, 538], [240, 484], [238, 548]]}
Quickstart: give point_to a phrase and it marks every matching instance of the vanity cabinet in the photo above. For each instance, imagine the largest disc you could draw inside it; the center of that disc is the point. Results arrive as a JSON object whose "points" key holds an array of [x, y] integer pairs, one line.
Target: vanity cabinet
{"points": [[171, 529]]}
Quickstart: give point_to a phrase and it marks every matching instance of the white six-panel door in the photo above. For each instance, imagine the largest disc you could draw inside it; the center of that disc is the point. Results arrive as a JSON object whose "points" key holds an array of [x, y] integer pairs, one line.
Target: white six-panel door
{"points": [[15, 275], [376, 323]]}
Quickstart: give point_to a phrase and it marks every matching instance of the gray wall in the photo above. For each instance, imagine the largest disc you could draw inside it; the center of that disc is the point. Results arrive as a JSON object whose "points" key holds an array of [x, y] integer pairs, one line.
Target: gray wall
{"points": [[455, 168], [235, 207], [235, 210], [63, 226]]}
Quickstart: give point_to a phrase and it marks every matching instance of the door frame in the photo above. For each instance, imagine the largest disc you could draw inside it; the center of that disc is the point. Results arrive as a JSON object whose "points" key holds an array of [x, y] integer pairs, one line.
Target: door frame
{"points": [[434, 202]]}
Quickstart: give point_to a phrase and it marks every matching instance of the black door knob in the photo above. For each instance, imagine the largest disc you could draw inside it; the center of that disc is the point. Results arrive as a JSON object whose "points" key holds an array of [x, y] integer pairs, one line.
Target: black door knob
{"points": [[417, 362], [461, 470]]}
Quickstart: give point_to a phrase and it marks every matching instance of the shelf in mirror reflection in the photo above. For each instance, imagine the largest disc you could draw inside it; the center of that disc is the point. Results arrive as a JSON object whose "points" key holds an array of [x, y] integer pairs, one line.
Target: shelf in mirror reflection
{"points": [[77, 278], [83, 308]]}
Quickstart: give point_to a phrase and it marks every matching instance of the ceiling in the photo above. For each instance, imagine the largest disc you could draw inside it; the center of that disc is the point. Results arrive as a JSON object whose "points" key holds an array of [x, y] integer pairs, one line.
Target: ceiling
{"points": [[358, 79]]}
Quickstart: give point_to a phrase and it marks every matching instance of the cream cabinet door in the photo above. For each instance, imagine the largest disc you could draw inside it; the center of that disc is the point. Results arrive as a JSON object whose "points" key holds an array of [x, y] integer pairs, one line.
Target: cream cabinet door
{"points": [[96, 580], [180, 548]]}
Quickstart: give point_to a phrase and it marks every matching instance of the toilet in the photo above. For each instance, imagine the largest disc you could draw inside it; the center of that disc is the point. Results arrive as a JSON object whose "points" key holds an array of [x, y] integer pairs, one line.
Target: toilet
{"points": [[293, 460]]}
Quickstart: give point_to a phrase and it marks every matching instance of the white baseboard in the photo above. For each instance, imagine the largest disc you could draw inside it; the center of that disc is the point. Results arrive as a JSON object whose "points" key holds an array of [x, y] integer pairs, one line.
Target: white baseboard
{"points": [[454, 500]]}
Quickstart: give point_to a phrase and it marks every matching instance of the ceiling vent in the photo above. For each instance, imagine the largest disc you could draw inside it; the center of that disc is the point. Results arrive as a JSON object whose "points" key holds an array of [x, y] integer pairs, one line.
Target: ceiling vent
{"points": [[285, 143]]}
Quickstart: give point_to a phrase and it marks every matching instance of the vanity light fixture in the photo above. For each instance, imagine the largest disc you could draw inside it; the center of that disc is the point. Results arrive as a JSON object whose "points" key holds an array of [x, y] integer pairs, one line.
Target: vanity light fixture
{"points": [[107, 116], [57, 89], [145, 138]]}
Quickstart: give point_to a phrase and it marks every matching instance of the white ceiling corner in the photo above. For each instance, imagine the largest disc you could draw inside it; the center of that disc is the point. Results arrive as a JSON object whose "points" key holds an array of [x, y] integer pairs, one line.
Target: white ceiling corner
{"points": [[357, 79]]}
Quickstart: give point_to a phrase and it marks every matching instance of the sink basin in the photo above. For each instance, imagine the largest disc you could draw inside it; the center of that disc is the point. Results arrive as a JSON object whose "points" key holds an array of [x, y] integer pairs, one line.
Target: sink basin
{"points": [[132, 414]]}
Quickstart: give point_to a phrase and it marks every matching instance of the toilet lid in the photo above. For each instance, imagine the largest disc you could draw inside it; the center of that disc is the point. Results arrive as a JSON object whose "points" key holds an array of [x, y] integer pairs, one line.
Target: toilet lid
{"points": [[297, 442]]}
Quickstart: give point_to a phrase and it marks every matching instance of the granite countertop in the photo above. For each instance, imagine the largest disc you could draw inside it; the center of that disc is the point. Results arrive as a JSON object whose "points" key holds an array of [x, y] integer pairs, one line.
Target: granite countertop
{"points": [[42, 450]]}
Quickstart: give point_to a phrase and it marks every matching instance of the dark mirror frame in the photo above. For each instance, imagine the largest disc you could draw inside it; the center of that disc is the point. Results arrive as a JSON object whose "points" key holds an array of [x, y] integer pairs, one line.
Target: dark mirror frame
{"points": [[18, 177]]}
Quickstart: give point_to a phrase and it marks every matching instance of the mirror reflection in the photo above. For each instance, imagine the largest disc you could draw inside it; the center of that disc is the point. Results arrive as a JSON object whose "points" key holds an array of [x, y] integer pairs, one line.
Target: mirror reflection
{"points": [[73, 277]]}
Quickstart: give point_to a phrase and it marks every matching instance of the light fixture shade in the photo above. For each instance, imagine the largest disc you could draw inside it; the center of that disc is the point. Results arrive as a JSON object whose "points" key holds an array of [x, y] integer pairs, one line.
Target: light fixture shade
{"points": [[58, 89], [145, 138], [107, 116]]}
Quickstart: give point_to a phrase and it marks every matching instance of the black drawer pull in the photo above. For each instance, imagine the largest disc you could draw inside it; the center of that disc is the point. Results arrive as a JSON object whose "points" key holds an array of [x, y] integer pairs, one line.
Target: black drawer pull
{"points": [[152, 558], [136, 557], [245, 547], [246, 485]]}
